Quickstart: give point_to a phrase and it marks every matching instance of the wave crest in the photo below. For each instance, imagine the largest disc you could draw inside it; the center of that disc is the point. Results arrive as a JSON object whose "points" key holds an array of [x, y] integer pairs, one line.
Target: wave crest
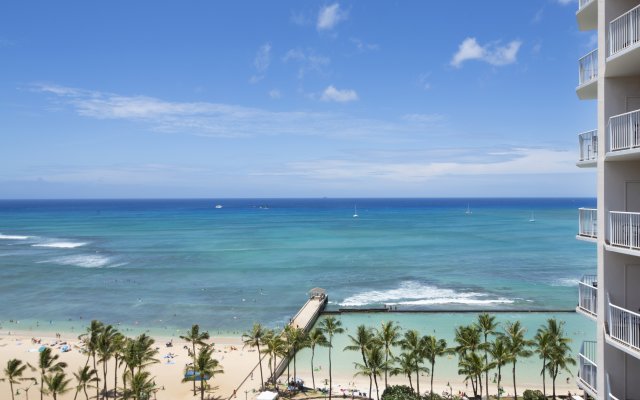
{"points": [[416, 294], [83, 260], [60, 245], [13, 237]]}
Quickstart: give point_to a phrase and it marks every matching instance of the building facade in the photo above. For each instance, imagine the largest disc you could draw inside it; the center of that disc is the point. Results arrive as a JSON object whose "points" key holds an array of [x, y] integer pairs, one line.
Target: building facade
{"points": [[609, 368]]}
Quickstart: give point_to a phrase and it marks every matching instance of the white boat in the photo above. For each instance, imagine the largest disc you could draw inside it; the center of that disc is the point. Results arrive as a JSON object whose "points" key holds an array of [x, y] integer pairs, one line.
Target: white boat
{"points": [[218, 205], [533, 218], [468, 210], [355, 211]]}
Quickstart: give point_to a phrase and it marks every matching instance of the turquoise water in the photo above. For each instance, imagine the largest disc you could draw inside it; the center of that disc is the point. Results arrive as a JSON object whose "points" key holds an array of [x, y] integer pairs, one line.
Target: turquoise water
{"points": [[165, 264]]}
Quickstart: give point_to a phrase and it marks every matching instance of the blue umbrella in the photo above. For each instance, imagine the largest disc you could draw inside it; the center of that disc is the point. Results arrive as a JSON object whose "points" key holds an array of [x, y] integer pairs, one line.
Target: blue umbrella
{"points": [[190, 373]]}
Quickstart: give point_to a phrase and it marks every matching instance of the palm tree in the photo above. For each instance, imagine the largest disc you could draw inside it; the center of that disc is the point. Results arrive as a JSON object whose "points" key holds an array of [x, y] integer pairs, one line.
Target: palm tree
{"points": [[388, 335], [118, 341], [373, 369], [104, 349], [487, 325], [205, 368], [315, 338], [275, 347], [297, 339], [434, 348], [196, 338], [253, 338], [543, 343], [560, 352], [90, 340], [47, 364], [412, 343], [468, 339], [501, 356], [471, 366], [13, 373], [331, 326], [138, 353], [142, 385], [362, 342], [56, 384], [518, 347], [84, 377], [406, 366]]}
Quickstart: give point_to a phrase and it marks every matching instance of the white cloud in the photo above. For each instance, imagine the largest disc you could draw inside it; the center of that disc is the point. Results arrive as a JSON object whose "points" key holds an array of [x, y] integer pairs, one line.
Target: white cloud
{"points": [[537, 17], [362, 46], [423, 118], [261, 62], [491, 53], [423, 80], [307, 61], [565, 2], [275, 94], [341, 96], [330, 16]]}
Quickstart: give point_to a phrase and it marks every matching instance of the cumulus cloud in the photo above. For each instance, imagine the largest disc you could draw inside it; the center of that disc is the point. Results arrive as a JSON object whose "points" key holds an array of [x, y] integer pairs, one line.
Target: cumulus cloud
{"points": [[330, 16], [340, 96], [261, 62], [491, 53]]}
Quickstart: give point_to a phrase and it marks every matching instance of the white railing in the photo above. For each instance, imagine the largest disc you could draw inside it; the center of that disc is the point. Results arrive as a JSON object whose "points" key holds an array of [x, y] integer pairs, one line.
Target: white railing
{"points": [[624, 325], [624, 131], [624, 229], [588, 368], [609, 395], [588, 142], [588, 294], [588, 68], [583, 3], [624, 31], [588, 222]]}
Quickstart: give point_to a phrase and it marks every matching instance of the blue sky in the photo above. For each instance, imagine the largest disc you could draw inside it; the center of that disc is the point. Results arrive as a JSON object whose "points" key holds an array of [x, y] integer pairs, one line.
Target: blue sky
{"points": [[292, 99]]}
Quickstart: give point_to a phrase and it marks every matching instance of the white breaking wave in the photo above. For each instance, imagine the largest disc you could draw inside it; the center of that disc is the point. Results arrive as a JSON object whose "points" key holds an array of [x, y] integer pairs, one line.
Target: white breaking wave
{"points": [[13, 237], [566, 282], [83, 260], [60, 245], [414, 293]]}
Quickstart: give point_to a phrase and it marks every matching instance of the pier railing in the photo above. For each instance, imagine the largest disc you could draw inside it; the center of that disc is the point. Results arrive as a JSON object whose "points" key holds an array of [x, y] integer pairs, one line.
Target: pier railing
{"points": [[624, 325], [588, 222], [624, 131], [624, 229], [588, 143], [624, 31], [588, 368], [588, 68], [583, 3], [588, 294]]}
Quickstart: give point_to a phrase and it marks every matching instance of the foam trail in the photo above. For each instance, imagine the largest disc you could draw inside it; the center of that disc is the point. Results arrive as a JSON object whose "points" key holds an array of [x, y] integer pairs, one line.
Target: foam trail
{"points": [[82, 260], [60, 245], [13, 237]]}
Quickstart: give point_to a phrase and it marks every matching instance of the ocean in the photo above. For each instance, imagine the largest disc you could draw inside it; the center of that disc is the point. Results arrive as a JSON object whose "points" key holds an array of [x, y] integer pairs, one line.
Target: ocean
{"points": [[166, 264]]}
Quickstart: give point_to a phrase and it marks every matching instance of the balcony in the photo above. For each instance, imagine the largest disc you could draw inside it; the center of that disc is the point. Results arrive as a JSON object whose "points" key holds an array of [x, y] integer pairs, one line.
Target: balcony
{"points": [[624, 232], [587, 224], [587, 15], [588, 76], [623, 328], [624, 136], [588, 376], [588, 146], [624, 37], [588, 296]]}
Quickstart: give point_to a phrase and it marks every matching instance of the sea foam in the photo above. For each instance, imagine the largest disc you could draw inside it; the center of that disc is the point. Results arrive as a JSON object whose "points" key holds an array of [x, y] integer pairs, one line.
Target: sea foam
{"points": [[13, 237], [83, 260], [413, 294], [60, 245]]}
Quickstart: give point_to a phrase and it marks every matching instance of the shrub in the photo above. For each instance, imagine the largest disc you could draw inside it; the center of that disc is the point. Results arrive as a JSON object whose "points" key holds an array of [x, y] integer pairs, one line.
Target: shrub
{"points": [[533, 395], [398, 392]]}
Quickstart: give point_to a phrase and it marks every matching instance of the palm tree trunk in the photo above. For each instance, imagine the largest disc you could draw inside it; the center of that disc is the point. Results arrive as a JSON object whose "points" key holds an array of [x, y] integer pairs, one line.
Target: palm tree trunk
{"points": [[77, 391], [115, 379], [86, 395], [260, 362], [480, 383], [386, 369], [97, 385], [410, 381], [294, 365], [432, 368], [42, 385], [499, 378], [544, 375], [418, 379], [104, 373], [193, 346], [330, 381], [11, 387], [515, 391], [370, 386], [313, 378], [375, 379], [201, 387]]}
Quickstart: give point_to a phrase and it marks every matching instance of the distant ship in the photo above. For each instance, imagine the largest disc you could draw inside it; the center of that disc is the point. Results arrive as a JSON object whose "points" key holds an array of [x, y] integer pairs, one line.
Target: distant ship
{"points": [[218, 205], [468, 210], [533, 218], [355, 211]]}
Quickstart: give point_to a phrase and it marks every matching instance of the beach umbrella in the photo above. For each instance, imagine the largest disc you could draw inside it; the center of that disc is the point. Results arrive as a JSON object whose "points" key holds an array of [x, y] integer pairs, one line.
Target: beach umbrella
{"points": [[190, 374]]}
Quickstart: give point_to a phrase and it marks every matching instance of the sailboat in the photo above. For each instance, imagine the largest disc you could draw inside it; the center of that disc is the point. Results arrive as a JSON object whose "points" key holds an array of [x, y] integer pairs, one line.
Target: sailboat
{"points": [[355, 211], [468, 210], [533, 218]]}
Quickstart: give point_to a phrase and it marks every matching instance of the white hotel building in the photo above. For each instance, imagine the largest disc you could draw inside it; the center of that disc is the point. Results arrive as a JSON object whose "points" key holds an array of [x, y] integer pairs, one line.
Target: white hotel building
{"points": [[610, 366]]}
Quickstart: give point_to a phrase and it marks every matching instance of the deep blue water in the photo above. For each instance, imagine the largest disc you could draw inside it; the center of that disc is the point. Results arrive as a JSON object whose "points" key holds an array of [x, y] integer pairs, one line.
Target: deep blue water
{"points": [[167, 264]]}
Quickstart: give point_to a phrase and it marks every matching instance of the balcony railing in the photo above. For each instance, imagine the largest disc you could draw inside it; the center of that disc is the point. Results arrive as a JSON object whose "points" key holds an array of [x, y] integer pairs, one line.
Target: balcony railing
{"points": [[624, 31], [588, 294], [624, 131], [583, 3], [588, 68], [588, 368], [588, 222], [624, 325], [588, 142], [624, 228]]}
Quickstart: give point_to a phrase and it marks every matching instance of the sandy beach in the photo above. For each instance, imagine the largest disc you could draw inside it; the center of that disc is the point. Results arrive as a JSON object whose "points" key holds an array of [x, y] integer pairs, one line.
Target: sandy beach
{"points": [[237, 362]]}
